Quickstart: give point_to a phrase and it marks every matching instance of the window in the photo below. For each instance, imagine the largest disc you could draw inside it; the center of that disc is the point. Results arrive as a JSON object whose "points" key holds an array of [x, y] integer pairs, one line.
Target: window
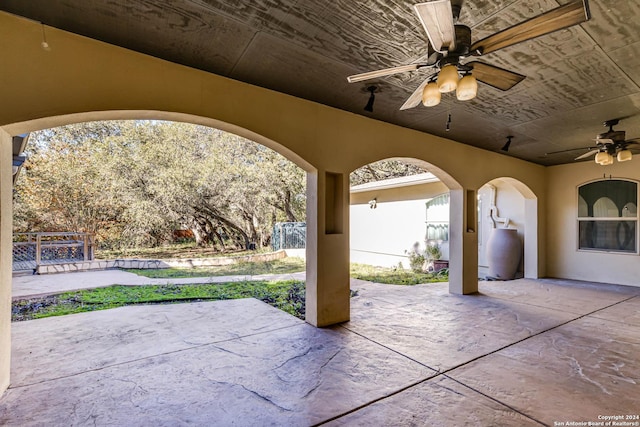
{"points": [[438, 218], [608, 216]]}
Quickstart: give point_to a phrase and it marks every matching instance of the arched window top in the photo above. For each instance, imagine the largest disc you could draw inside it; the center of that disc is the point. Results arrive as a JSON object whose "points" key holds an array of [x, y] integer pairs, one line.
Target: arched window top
{"points": [[608, 199]]}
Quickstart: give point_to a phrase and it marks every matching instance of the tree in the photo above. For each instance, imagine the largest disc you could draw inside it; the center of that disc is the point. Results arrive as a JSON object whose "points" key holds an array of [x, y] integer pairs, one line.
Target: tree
{"points": [[383, 169], [137, 181], [62, 188]]}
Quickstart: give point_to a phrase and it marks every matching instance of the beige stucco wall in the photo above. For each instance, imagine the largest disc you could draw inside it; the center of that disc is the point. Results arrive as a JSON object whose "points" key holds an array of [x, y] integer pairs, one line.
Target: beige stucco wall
{"points": [[82, 79], [6, 219], [563, 257]]}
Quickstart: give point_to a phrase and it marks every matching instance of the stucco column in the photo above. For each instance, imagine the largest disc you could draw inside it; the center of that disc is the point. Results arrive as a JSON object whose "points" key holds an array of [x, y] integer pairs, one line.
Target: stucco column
{"points": [[6, 219], [327, 285], [463, 242], [531, 238]]}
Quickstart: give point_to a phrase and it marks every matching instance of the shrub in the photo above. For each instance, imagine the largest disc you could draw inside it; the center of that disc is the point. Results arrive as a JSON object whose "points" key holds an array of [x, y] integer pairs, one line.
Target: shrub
{"points": [[416, 258]]}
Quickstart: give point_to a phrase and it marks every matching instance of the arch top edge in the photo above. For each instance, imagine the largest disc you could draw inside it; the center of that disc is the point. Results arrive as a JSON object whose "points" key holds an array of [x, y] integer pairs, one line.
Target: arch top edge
{"points": [[446, 178], [520, 186], [36, 124]]}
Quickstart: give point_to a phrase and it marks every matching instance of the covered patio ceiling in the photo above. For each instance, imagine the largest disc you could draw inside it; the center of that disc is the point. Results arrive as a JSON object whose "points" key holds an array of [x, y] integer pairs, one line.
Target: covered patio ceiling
{"points": [[576, 78]]}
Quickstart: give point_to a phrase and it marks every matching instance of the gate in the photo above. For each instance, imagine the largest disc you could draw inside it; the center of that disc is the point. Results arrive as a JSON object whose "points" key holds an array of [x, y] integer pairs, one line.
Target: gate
{"points": [[289, 235]]}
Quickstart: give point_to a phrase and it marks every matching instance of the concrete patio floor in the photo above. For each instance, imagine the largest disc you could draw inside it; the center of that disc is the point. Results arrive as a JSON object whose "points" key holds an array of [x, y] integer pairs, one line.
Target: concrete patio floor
{"points": [[525, 352]]}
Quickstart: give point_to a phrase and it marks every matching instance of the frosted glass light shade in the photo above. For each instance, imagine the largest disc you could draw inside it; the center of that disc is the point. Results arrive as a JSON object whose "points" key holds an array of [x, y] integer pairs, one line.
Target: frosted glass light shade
{"points": [[601, 157], [467, 88], [624, 155], [608, 160], [448, 79], [431, 95]]}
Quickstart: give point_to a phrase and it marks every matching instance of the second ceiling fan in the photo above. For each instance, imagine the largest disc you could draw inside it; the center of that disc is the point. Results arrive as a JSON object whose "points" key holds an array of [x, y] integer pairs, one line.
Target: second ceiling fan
{"points": [[450, 46]]}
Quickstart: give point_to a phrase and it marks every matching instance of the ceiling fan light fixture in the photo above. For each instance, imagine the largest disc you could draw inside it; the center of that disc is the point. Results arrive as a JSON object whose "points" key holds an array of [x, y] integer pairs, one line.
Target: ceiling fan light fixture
{"points": [[601, 157], [448, 78], [467, 88], [624, 155], [431, 95]]}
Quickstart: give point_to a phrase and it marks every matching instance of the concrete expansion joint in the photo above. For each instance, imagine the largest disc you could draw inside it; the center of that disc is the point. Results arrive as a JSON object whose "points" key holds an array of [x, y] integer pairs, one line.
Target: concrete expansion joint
{"points": [[182, 350], [444, 373]]}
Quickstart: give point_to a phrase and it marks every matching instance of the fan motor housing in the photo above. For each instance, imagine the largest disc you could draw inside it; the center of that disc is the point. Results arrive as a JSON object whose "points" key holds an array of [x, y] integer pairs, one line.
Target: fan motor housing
{"points": [[616, 135], [463, 40]]}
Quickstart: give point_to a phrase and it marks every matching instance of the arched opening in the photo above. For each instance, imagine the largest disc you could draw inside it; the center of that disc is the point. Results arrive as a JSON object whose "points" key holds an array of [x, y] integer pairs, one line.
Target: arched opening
{"points": [[46, 123], [138, 186], [388, 212], [418, 209], [506, 203]]}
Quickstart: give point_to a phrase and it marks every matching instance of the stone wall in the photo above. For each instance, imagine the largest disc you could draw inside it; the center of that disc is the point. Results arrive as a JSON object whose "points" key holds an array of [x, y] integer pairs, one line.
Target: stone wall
{"points": [[156, 263]]}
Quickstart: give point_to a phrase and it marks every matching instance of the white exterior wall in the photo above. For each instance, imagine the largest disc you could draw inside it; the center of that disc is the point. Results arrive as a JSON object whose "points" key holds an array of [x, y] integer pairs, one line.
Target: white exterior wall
{"points": [[381, 236]]}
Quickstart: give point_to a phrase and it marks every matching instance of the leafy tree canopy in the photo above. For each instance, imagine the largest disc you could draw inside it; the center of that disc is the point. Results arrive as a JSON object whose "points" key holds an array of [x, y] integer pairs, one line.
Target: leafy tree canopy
{"points": [[134, 182], [383, 169]]}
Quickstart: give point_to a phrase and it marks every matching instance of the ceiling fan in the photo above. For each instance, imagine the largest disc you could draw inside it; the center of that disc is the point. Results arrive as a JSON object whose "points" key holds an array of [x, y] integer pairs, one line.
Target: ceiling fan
{"points": [[609, 144], [450, 45]]}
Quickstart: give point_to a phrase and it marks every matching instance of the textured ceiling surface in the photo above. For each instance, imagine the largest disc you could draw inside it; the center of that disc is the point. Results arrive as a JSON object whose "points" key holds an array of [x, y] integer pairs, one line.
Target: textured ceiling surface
{"points": [[576, 78]]}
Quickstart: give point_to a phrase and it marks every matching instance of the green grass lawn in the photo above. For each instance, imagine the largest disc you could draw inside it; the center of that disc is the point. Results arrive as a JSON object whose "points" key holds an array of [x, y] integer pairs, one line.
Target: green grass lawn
{"points": [[279, 266], [174, 250], [396, 276], [286, 295], [393, 276]]}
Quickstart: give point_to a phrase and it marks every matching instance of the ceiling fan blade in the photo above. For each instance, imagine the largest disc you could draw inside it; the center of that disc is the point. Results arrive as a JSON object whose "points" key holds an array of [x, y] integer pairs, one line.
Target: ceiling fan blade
{"points": [[416, 96], [381, 73], [587, 154], [495, 76], [571, 149], [556, 19], [437, 20]]}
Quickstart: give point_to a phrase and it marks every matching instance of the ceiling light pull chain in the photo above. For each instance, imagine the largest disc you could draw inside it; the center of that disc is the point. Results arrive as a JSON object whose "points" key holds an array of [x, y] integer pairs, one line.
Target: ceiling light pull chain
{"points": [[448, 126]]}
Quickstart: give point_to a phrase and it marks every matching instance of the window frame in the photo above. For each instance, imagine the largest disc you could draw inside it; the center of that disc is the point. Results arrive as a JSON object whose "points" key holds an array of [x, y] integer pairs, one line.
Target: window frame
{"points": [[437, 223], [635, 219]]}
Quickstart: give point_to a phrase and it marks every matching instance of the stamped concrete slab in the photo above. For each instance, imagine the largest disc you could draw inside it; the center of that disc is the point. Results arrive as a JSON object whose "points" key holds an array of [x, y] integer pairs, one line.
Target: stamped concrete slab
{"points": [[298, 376], [436, 402], [529, 350], [564, 295], [443, 330], [576, 372], [67, 345], [627, 312]]}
